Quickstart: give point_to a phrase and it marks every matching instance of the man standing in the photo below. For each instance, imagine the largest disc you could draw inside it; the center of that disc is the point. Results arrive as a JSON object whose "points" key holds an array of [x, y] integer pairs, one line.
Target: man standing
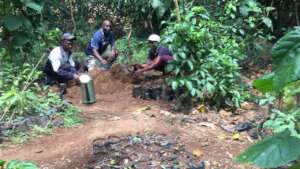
{"points": [[60, 66], [158, 56], [97, 49]]}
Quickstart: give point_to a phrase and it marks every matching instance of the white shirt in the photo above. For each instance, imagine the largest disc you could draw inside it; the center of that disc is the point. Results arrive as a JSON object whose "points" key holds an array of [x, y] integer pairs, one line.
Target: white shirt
{"points": [[59, 57]]}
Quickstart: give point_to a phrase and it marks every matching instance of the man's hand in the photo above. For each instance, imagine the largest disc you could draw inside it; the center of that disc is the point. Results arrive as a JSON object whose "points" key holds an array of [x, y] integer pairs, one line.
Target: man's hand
{"points": [[138, 72], [76, 77], [104, 62]]}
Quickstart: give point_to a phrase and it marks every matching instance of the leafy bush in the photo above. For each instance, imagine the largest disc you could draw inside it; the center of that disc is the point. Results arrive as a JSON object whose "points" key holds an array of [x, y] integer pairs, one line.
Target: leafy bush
{"points": [[205, 57], [18, 93], [132, 51], [20, 27], [250, 20], [283, 147], [17, 164]]}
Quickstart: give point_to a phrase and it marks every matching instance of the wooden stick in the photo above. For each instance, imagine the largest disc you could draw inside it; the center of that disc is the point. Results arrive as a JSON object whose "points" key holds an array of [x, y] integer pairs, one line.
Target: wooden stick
{"points": [[177, 10]]}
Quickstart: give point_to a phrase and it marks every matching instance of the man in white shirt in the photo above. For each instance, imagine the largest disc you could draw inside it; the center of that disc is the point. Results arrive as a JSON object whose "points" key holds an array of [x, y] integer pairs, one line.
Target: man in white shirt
{"points": [[60, 66]]}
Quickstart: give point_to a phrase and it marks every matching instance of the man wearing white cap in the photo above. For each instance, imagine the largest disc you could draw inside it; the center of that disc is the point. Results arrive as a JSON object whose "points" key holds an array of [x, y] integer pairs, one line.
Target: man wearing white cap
{"points": [[60, 66], [158, 56]]}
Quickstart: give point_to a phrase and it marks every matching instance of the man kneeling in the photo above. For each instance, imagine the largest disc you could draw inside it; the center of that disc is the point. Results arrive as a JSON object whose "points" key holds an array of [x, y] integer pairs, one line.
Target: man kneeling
{"points": [[158, 56], [60, 66]]}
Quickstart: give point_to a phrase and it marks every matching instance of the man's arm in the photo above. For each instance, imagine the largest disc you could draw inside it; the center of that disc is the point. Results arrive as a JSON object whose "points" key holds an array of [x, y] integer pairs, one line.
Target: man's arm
{"points": [[69, 73], [151, 65], [97, 55]]}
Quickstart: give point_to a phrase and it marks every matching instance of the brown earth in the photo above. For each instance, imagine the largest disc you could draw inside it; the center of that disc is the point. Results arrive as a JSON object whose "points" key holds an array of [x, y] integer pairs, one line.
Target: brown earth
{"points": [[116, 113]]}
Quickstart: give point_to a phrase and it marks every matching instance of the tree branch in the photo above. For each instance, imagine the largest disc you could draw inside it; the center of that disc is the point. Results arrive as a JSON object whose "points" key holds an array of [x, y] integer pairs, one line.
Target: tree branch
{"points": [[177, 10]]}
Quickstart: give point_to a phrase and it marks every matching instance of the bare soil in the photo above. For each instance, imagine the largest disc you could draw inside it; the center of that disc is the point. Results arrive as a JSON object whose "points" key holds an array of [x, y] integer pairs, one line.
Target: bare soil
{"points": [[117, 113]]}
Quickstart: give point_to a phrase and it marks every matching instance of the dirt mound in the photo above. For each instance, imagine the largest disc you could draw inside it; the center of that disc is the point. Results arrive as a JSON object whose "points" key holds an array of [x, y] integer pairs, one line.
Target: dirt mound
{"points": [[122, 72], [105, 83], [108, 82]]}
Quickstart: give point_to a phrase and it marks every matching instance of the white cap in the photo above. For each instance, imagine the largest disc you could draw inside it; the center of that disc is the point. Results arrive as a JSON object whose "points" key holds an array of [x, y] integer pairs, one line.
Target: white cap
{"points": [[68, 36], [154, 38]]}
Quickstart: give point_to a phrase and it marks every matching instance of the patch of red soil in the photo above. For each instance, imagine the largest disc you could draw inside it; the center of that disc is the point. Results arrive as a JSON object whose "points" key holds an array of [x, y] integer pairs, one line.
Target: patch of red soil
{"points": [[115, 113]]}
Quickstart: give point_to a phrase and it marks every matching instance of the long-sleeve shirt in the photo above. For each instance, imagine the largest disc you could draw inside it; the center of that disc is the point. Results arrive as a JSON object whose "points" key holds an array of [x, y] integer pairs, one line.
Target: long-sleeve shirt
{"points": [[59, 59]]}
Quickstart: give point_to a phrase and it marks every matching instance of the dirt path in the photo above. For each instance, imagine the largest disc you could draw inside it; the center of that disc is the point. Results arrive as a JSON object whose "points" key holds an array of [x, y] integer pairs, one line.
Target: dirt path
{"points": [[115, 114]]}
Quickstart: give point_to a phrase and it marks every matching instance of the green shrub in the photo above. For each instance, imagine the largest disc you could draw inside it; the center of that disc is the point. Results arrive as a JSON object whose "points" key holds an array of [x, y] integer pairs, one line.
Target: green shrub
{"points": [[205, 58], [21, 95], [17, 164], [132, 51], [282, 148]]}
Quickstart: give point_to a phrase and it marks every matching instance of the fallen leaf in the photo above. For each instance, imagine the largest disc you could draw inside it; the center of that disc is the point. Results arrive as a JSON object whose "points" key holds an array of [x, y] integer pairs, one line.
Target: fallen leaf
{"points": [[201, 108], [236, 136], [206, 124], [143, 109]]}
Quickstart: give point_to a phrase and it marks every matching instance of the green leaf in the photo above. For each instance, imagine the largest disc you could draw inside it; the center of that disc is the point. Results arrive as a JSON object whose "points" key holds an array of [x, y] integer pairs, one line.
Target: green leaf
{"points": [[271, 152], [20, 40], [285, 47], [265, 83], [270, 8], [34, 6], [286, 59], [244, 10], [2, 162], [27, 23], [159, 7], [296, 166], [16, 164], [174, 85], [190, 63], [210, 88], [12, 23], [193, 92], [268, 22], [189, 85], [155, 3]]}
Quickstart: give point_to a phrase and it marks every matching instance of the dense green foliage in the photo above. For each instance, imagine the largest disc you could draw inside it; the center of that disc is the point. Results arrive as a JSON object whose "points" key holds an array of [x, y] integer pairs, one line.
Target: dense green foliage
{"points": [[21, 27], [284, 119], [24, 42], [132, 50], [212, 41], [286, 55], [206, 60], [19, 98], [209, 47]]}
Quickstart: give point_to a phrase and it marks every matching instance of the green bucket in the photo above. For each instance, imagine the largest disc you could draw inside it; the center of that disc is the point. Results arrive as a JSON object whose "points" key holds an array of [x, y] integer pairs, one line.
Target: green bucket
{"points": [[87, 89]]}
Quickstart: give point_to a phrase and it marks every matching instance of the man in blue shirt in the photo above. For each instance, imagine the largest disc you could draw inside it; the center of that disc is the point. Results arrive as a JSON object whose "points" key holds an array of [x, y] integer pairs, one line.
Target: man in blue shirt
{"points": [[97, 50]]}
